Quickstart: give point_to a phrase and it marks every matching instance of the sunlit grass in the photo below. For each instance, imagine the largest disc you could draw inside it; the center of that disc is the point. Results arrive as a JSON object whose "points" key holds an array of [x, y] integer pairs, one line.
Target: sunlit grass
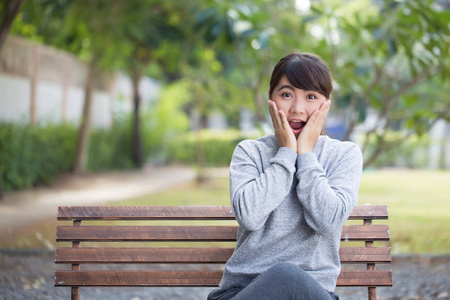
{"points": [[418, 203], [419, 207]]}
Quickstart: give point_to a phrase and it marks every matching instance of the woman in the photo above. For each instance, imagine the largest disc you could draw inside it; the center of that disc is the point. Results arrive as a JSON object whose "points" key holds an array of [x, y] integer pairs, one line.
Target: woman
{"points": [[291, 193]]}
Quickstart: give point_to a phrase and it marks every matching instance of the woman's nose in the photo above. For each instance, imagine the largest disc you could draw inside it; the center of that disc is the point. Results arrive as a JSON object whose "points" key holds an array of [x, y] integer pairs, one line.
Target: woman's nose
{"points": [[297, 107]]}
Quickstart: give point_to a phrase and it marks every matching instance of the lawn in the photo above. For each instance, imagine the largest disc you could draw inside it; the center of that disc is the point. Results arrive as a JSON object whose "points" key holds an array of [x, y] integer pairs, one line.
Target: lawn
{"points": [[418, 203], [419, 207]]}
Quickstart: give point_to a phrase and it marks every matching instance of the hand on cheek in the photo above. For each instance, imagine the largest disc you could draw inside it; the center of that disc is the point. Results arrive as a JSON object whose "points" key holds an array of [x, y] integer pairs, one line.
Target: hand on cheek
{"points": [[283, 132], [309, 136]]}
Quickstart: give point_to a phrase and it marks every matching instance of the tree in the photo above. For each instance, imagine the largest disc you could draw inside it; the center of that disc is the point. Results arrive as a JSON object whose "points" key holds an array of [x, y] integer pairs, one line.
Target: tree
{"points": [[162, 25], [378, 57], [88, 29], [241, 33], [8, 11], [109, 35], [94, 30]]}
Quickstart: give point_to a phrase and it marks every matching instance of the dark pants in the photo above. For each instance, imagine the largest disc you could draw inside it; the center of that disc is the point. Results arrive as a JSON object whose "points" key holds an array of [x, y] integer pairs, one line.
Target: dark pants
{"points": [[282, 281]]}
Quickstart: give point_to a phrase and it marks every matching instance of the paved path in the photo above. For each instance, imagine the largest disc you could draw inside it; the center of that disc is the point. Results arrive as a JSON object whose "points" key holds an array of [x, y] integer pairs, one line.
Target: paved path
{"points": [[24, 207]]}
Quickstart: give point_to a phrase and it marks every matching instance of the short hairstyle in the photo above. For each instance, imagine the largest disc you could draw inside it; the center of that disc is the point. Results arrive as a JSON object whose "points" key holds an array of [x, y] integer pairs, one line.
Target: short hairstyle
{"points": [[304, 71]]}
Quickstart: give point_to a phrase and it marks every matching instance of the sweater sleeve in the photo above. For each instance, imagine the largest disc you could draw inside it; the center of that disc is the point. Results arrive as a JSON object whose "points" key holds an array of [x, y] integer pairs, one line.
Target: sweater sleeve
{"points": [[255, 193], [328, 198]]}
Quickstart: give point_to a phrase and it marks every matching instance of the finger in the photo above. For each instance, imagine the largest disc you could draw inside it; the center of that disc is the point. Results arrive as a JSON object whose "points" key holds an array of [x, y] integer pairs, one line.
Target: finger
{"points": [[283, 119], [320, 115], [272, 113], [323, 111], [275, 114], [313, 118]]}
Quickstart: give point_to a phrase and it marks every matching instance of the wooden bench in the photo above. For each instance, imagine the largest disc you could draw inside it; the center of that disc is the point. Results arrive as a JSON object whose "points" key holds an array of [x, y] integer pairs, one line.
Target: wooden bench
{"points": [[367, 255]]}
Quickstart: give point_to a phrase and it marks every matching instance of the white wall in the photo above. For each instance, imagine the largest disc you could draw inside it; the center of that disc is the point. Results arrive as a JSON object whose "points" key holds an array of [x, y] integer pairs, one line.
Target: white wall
{"points": [[60, 78], [14, 98]]}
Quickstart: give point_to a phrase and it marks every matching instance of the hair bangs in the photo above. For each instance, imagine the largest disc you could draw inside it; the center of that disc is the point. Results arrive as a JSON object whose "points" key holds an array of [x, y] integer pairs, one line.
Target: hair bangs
{"points": [[302, 75], [304, 71]]}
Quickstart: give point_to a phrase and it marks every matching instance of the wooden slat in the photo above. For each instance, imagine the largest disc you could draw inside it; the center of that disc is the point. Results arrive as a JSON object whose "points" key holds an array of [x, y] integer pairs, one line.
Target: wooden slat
{"points": [[192, 255], [365, 255], [145, 213], [143, 255], [365, 232], [146, 233], [369, 212], [192, 233], [365, 278], [183, 212], [193, 278], [137, 278]]}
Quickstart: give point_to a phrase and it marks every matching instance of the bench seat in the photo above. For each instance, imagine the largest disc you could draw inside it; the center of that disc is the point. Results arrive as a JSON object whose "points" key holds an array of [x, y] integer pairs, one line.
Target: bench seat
{"points": [[106, 229]]}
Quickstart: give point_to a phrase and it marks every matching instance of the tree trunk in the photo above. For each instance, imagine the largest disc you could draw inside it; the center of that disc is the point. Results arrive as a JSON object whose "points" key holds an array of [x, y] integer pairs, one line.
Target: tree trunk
{"points": [[202, 177], [10, 9], [443, 145], [137, 141], [81, 155], [1, 186], [378, 150], [352, 116]]}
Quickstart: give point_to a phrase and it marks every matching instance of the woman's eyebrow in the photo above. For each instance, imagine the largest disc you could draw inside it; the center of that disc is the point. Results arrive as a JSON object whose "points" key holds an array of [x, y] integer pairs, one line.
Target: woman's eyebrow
{"points": [[286, 86]]}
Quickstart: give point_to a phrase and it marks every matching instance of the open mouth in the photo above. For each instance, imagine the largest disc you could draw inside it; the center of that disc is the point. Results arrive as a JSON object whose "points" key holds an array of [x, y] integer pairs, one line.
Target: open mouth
{"points": [[297, 126]]}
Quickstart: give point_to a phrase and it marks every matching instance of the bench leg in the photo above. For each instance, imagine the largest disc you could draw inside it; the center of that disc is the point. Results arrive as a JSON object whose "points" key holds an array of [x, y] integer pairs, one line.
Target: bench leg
{"points": [[75, 293], [372, 293]]}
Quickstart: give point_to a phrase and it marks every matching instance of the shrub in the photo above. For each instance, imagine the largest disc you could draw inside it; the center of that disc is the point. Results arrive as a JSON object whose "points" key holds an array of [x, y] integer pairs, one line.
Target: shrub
{"points": [[218, 147], [111, 149], [34, 154]]}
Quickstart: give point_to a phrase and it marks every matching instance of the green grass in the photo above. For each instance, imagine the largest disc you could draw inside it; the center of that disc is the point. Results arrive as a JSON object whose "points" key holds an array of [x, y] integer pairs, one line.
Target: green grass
{"points": [[213, 192], [418, 203], [419, 207]]}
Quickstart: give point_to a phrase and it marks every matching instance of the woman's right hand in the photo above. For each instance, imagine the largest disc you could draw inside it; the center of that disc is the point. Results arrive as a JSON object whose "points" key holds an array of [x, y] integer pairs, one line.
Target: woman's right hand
{"points": [[283, 132]]}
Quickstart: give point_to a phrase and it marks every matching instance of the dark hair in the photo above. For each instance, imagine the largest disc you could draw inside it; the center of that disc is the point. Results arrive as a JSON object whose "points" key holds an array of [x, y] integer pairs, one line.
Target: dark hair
{"points": [[304, 71]]}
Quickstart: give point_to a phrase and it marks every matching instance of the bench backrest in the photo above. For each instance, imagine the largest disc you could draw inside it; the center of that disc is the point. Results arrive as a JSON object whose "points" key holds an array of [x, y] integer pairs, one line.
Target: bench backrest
{"points": [[179, 254]]}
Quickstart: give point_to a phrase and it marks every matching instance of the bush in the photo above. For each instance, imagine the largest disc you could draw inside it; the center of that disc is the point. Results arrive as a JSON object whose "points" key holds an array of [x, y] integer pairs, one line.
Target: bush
{"points": [[31, 155], [111, 149], [218, 147], [34, 154]]}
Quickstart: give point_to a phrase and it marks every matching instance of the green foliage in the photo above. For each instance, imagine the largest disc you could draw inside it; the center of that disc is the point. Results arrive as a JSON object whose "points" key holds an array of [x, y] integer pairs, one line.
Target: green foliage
{"points": [[31, 155], [378, 51], [218, 147], [164, 120], [110, 149], [411, 152]]}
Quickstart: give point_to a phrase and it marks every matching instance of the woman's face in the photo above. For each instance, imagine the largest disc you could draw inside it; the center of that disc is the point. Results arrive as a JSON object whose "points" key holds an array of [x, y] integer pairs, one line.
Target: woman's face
{"points": [[297, 104]]}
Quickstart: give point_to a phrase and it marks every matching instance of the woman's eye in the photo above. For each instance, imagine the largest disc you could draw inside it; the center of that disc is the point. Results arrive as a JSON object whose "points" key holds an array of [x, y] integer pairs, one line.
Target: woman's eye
{"points": [[288, 95], [311, 97]]}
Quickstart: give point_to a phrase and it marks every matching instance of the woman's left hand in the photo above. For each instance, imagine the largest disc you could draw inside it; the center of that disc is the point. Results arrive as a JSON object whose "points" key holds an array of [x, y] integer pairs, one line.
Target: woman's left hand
{"points": [[309, 136]]}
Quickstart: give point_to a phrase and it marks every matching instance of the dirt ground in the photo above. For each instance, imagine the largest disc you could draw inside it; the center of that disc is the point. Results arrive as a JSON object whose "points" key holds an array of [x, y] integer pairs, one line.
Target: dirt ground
{"points": [[29, 275]]}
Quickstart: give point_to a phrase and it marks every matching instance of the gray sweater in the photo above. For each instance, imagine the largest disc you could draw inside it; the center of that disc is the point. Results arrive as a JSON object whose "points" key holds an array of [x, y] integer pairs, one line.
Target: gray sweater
{"points": [[290, 207]]}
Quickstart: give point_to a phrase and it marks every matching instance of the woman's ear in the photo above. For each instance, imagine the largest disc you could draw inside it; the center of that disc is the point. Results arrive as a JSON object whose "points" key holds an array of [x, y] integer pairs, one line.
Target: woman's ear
{"points": [[268, 92]]}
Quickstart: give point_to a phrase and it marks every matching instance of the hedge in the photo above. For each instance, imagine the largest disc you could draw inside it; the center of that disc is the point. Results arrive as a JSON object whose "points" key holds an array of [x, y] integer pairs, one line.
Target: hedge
{"points": [[34, 154], [218, 147]]}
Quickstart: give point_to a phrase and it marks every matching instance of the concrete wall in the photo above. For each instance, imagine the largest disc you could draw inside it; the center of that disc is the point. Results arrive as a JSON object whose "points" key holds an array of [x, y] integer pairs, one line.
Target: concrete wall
{"points": [[40, 84]]}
